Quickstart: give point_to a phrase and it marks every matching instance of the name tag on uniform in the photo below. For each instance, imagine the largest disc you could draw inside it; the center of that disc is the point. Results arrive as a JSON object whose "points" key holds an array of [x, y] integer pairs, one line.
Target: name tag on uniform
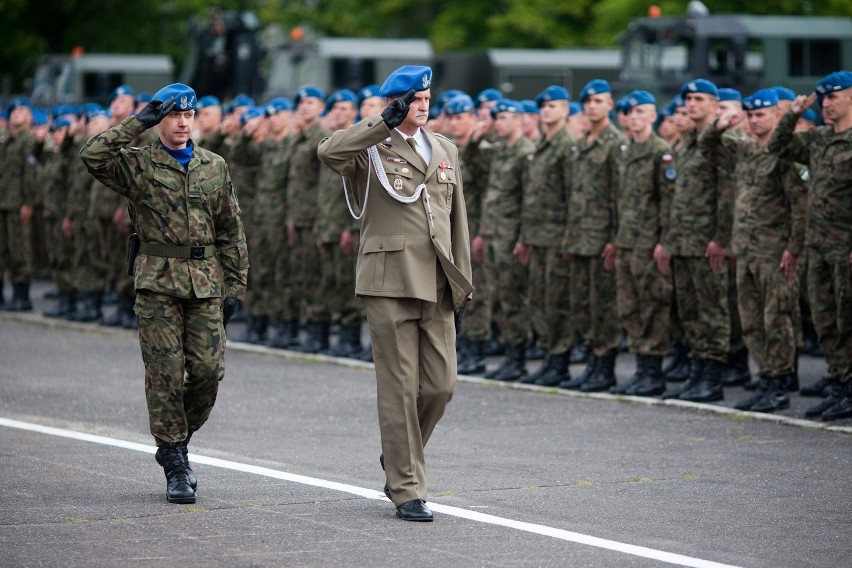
{"points": [[396, 160]]}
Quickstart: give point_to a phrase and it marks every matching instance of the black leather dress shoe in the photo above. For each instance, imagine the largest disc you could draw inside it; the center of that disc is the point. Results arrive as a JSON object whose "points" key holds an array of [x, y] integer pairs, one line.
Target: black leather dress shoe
{"points": [[414, 510]]}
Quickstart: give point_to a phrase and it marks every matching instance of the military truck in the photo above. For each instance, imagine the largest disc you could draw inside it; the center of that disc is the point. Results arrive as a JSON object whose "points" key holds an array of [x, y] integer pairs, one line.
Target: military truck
{"points": [[91, 77], [660, 54]]}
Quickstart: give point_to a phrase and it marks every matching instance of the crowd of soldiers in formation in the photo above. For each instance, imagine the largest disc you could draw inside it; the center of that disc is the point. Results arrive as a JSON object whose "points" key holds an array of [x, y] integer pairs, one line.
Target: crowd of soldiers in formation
{"points": [[596, 226]]}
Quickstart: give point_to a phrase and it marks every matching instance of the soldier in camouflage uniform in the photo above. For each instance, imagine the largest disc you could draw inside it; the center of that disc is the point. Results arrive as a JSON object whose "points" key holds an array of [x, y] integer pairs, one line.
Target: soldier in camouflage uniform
{"points": [[498, 233], [60, 249], [16, 206], [827, 150], [590, 237], [192, 255], [208, 134], [336, 243], [543, 215], [699, 231], [302, 202], [643, 291], [767, 238]]}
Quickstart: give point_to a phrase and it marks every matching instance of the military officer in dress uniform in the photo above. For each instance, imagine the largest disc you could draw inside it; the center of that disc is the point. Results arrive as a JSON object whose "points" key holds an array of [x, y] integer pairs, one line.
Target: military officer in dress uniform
{"points": [[413, 270]]}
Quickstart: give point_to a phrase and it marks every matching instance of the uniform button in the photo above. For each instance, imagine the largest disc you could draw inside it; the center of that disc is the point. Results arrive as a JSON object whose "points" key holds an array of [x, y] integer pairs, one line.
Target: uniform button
{"points": [[381, 245], [369, 124]]}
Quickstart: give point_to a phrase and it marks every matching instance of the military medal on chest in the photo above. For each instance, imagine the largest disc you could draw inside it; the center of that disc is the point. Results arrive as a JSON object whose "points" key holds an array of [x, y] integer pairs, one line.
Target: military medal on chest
{"points": [[397, 184]]}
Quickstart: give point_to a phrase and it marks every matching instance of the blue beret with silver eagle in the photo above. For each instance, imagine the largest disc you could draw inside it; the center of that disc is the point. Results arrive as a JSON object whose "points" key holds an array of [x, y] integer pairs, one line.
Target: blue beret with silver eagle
{"points": [[184, 96], [406, 78]]}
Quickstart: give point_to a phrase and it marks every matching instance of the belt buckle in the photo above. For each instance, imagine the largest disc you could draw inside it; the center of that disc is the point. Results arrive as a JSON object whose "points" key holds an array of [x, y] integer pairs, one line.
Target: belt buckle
{"points": [[196, 253]]}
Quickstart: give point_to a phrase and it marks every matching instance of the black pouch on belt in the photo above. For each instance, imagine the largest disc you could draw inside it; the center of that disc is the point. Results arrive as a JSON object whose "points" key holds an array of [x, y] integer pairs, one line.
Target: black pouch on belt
{"points": [[132, 251]]}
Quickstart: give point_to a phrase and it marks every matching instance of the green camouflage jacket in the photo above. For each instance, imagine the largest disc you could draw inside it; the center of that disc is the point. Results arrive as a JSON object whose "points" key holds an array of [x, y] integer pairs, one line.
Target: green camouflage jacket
{"points": [[178, 208], [545, 203], [270, 196], [15, 151], [303, 177], [501, 203]]}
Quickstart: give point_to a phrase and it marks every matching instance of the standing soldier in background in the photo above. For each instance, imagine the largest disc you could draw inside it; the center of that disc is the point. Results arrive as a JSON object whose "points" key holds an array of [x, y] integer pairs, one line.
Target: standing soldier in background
{"points": [[699, 231], [644, 292], [590, 237], [767, 238], [827, 150], [461, 120], [191, 271], [208, 133], [302, 202], [498, 233], [35, 244], [16, 206], [336, 243], [539, 247]]}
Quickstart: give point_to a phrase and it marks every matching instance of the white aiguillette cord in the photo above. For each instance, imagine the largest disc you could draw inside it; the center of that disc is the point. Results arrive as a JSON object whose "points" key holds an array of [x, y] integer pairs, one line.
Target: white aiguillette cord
{"points": [[375, 163]]}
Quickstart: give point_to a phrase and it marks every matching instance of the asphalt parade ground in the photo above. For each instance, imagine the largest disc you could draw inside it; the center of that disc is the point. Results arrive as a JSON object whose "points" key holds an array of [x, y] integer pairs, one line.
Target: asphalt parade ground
{"points": [[289, 475]]}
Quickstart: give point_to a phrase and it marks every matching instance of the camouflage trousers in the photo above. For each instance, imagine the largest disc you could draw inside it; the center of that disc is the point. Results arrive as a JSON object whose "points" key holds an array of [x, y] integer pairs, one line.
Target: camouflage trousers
{"points": [[304, 270], [15, 248], [548, 299], [105, 247], [643, 297], [767, 305], [183, 343], [260, 295], [477, 321], [830, 291], [282, 299], [737, 342], [60, 254], [507, 281], [84, 272], [702, 302], [593, 301], [336, 295]]}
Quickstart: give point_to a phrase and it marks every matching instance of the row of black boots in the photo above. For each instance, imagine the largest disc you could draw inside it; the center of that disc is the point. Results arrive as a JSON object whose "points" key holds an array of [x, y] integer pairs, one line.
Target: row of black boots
{"points": [[263, 330]]}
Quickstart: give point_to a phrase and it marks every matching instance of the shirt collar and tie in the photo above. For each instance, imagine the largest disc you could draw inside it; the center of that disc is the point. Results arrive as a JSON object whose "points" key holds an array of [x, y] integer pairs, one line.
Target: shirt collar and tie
{"points": [[420, 143]]}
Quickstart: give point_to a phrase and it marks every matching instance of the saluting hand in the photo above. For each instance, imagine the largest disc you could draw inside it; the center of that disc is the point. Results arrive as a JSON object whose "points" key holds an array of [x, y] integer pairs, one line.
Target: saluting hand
{"points": [[802, 103], [154, 112], [395, 113]]}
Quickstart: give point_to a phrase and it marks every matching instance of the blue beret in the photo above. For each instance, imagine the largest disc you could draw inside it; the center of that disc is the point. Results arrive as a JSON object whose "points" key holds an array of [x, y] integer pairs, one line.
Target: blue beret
{"points": [[306, 91], [763, 98], [458, 105], [63, 110], [488, 95], [621, 105], [726, 94], [574, 108], [18, 102], [343, 95], [406, 78], [368, 92], [252, 112], [434, 112], [240, 101], [677, 102], [594, 87], [810, 114], [530, 106], [837, 81], [636, 98], [59, 123], [277, 105], [85, 109], [208, 101], [506, 105], [183, 94], [447, 95], [784, 93], [552, 93], [39, 117], [699, 86], [97, 112], [120, 91], [144, 97], [3, 115]]}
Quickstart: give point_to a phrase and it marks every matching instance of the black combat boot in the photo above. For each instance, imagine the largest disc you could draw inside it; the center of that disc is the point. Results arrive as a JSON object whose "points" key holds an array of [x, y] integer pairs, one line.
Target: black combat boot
{"points": [[754, 398], [61, 309], [815, 389], [20, 301], [736, 371], [709, 386], [91, 310], [843, 408], [558, 371], [317, 339], [513, 366], [634, 380], [250, 335], [462, 351], [696, 367], [178, 489], [678, 367], [190, 475], [475, 362], [286, 334], [579, 354], [832, 393], [129, 319], [604, 375], [580, 380], [348, 342], [775, 396], [531, 378], [651, 383], [493, 347], [124, 304], [534, 351]]}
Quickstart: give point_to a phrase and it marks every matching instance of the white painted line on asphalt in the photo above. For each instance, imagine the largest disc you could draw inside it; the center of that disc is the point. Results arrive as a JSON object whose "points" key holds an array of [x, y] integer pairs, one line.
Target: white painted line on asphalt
{"points": [[542, 530]]}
